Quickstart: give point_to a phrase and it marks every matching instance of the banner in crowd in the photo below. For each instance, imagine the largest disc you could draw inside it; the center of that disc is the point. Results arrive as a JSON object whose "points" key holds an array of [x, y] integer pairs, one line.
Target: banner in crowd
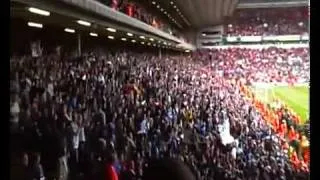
{"points": [[232, 39], [251, 38], [281, 38], [225, 135]]}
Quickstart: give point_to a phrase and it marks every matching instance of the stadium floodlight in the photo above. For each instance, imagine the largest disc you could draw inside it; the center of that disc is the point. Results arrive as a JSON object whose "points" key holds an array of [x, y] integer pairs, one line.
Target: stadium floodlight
{"points": [[110, 37], [187, 50], [165, 12], [149, 44], [300, 23], [142, 42], [123, 39], [142, 37], [175, 6], [151, 39], [265, 25], [171, 2], [39, 11], [204, 34], [111, 30], [84, 23], [130, 34], [165, 43], [69, 30], [230, 25], [36, 25], [133, 41], [94, 34], [153, 2], [158, 6], [161, 9]]}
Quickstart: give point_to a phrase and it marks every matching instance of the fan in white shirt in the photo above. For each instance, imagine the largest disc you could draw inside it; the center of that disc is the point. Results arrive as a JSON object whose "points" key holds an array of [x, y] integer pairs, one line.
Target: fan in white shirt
{"points": [[76, 135], [14, 110], [82, 136], [50, 89]]}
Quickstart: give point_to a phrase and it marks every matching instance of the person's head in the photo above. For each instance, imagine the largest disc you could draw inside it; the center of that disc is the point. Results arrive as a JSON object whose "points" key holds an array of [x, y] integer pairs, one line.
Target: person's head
{"points": [[167, 169], [25, 159], [75, 116], [80, 119], [102, 143], [131, 165], [122, 157], [130, 135], [37, 158]]}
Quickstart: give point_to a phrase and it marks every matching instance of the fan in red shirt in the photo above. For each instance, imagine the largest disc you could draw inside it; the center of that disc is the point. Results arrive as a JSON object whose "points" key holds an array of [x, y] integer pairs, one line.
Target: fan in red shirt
{"points": [[128, 88], [111, 173], [130, 9]]}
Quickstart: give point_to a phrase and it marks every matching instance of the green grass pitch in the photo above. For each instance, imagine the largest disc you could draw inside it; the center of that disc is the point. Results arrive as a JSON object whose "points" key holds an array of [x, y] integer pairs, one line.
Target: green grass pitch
{"points": [[296, 98]]}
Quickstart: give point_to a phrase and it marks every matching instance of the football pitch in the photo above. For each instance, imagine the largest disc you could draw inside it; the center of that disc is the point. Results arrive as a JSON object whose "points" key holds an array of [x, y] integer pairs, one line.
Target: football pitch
{"points": [[295, 97]]}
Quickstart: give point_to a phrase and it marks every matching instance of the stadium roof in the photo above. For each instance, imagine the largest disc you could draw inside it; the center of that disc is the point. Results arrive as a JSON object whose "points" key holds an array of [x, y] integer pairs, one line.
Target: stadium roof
{"points": [[204, 13], [66, 16]]}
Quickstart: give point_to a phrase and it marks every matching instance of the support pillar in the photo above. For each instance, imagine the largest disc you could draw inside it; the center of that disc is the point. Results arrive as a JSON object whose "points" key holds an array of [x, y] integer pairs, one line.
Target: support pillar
{"points": [[79, 44], [160, 54]]}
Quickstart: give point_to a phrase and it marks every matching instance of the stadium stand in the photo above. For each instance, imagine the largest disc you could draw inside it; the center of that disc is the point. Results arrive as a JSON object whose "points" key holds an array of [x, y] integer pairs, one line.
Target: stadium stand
{"points": [[268, 21], [90, 103], [260, 65]]}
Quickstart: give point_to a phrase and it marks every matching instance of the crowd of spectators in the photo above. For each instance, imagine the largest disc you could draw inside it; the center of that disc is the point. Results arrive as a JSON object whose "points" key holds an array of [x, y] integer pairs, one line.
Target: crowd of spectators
{"points": [[261, 65], [103, 116], [269, 21], [138, 11]]}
